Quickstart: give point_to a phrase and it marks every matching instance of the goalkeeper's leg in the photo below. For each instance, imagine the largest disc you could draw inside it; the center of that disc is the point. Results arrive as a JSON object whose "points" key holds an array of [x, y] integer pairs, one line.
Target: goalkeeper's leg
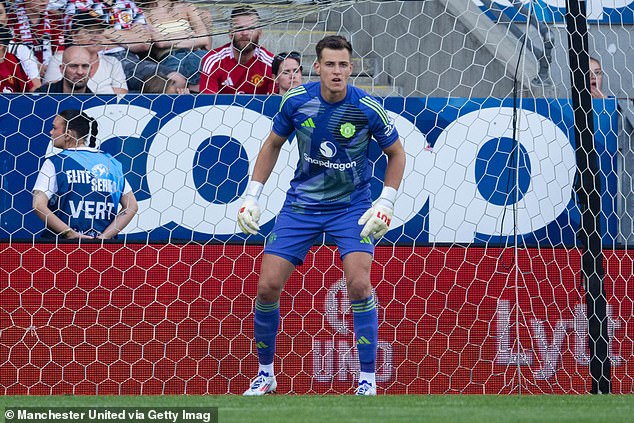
{"points": [[356, 267], [286, 247], [356, 253], [273, 275]]}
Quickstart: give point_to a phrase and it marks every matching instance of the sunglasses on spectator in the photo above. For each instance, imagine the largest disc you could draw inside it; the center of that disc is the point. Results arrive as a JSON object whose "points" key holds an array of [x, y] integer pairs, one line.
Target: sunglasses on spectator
{"points": [[292, 55], [279, 58]]}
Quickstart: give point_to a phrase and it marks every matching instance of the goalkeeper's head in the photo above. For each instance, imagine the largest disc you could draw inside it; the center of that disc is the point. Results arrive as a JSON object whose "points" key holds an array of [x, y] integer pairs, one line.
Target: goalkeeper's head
{"points": [[333, 42], [334, 66]]}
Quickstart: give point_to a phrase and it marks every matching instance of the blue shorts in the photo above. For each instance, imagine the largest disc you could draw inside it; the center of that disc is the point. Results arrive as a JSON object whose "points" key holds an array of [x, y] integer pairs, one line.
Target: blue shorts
{"points": [[186, 62], [137, 70], [294, 233]]}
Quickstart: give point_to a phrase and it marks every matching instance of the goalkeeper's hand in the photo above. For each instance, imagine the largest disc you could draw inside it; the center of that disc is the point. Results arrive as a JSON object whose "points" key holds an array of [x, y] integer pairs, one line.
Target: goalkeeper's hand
{"points": [[249, 216], [249, 212], [377, 219]]}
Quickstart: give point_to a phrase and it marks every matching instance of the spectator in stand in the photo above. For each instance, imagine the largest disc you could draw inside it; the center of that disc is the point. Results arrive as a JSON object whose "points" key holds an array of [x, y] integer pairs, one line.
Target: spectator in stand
{"points": [[121, 14], [128, 35], [161, 84], [180, 37], [36, 26], [24, 54], [75, 69], [596, 79], [287, 71], [132, 34], [106, 73], [242, 66], [13, 79], [81, 192], [70, 8], [29, 63]]}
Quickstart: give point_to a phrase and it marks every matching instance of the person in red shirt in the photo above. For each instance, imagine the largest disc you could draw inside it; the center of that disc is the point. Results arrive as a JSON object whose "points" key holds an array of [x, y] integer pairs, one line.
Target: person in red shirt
{"points": [[13, 79], [241, 66], [36, 26]]}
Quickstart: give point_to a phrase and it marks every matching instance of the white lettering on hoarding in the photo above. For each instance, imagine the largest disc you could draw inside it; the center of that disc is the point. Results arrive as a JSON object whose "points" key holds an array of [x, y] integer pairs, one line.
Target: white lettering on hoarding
{"points": [[337, 359], [341, 363], [174, 197], [549, 352], [445, 177], [457, 209], [505, 354], [337, 305]]}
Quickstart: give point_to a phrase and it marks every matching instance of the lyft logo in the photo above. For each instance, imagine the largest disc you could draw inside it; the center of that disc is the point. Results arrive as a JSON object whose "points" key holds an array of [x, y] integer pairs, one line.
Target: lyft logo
{"points": [[475, 181], [549, 346]]}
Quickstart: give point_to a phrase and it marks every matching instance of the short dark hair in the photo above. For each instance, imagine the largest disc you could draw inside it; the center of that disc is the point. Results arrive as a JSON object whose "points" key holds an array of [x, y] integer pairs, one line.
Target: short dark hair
{"points": [[279, 58], [244, 11], [333, 42], [82, 124]]}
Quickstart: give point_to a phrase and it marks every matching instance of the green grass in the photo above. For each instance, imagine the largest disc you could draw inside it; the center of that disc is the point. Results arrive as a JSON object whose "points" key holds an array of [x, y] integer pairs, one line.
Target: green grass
{"points": [[383, 409]]}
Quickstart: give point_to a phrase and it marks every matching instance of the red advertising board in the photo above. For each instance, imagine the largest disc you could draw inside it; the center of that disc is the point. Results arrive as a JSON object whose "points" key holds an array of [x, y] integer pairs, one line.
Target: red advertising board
{"points": [[173, 319]]}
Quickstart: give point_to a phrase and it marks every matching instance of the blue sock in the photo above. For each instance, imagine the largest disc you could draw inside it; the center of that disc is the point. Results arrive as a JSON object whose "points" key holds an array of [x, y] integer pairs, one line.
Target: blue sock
{"points": [[265, 325], [366, 331]]}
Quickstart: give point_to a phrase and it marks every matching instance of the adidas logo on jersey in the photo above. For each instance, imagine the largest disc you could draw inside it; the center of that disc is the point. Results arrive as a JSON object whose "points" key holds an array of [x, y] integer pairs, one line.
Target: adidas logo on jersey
{"points": [[228, 82], [308, 123]]}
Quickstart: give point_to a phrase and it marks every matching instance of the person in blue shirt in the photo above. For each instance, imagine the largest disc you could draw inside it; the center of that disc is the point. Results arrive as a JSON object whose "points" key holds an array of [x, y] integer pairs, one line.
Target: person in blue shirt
{"points": [[334, 123], [81, 192]]}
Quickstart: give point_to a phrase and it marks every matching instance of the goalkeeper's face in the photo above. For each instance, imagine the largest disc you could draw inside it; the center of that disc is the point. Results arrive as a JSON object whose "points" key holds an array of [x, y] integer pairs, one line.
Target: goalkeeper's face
{"points": [[334, 69]]}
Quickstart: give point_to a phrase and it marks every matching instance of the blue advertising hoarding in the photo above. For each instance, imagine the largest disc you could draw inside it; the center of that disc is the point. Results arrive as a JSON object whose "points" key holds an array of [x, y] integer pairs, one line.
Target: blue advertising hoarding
{"points": [[188, 159], [554, 11]]}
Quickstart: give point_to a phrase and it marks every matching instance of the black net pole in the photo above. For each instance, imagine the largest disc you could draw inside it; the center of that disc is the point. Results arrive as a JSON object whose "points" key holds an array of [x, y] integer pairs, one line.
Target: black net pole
{"points": [[588, 188]]}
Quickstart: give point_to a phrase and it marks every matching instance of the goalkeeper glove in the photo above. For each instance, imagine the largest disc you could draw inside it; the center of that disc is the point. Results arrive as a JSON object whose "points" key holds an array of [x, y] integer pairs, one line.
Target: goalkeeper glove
{"points": [[249, 212], [377, 218]]}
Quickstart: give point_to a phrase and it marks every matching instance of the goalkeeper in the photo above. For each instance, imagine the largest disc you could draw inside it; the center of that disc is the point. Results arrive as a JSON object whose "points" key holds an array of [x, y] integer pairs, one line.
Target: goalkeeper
{"points": [[334, 123]]}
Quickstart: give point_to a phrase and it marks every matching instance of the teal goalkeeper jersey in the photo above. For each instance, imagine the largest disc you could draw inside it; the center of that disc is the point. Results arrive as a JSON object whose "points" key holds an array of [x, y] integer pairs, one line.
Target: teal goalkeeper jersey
{"points": [[333, 171]]}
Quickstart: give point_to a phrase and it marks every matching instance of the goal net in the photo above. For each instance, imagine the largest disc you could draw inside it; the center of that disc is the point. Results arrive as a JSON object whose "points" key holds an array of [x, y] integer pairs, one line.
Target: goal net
{"points": [[506, 269]]}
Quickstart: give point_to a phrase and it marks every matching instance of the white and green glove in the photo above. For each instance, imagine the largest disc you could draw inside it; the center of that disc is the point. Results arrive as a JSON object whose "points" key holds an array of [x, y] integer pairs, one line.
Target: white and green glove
{"points": [[249, 212], [377, 218]]}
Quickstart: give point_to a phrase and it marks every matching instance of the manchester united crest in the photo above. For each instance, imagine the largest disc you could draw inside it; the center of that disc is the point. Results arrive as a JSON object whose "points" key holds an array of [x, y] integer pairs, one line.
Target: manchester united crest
{"points": [[256, 79]]}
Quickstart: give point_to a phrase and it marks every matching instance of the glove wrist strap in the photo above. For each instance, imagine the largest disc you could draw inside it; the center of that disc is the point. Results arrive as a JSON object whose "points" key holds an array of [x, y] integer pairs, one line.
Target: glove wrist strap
{"points": [[254, 189], [387, 197]]}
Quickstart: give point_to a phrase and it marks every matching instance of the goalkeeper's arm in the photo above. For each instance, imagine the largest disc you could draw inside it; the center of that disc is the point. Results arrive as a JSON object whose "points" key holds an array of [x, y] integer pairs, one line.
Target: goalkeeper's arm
{"points": [[377, 219], [249, 212]]}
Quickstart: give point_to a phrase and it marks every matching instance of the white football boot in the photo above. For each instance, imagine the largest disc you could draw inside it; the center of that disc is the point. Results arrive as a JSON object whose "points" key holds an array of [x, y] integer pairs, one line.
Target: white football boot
{"points": [[365, 389], [263, 384]]}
